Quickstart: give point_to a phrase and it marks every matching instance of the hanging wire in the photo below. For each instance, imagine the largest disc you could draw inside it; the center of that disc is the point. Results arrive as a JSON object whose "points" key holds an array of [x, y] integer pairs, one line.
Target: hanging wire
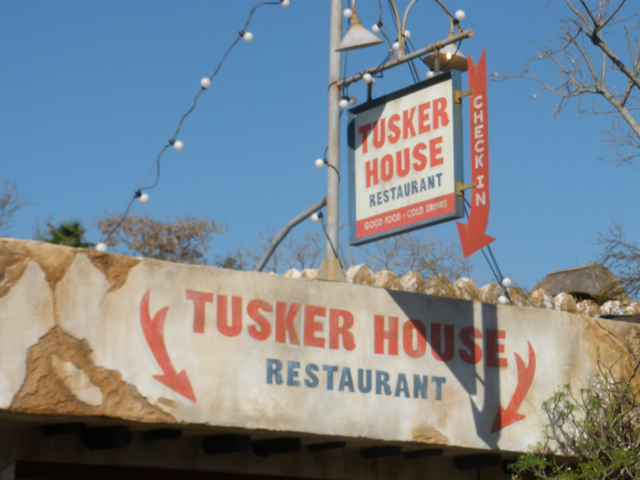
{"points": [[495, 269], [156, 164]]}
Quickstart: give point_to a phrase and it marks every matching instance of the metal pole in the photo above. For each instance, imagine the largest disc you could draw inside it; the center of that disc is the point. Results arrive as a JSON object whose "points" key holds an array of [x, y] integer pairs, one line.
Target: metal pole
{"points": [[328, 268], [285, 231], [418, 53]]}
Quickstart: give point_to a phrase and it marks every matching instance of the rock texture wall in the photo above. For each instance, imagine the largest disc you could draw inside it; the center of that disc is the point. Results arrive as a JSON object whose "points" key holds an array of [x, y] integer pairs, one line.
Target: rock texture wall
{"points": [[415, 361]]}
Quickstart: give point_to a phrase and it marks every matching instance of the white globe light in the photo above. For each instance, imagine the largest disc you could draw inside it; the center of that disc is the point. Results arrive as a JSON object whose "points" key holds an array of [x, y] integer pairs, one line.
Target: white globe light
{"points": [[319, 163], [347, 13], [460, 15], [344, 103], [284, 3], [248, 36], [506, 282], [375, 28], [178, 145], [353, 100], [502, 300], [315, 218], [407, 34], [144, 198], [101, 247], [431, 74], [205, 82], [373, 82], [367, 78], [395, 46]]}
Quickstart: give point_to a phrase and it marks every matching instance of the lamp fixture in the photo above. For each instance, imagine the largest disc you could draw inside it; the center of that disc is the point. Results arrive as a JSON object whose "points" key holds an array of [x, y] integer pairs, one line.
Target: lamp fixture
{"points": [[449, 58], [357, 36]]}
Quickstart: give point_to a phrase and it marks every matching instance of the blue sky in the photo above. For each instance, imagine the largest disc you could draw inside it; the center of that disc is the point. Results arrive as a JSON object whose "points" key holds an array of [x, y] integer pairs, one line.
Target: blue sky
{"points": [[92, 90]]}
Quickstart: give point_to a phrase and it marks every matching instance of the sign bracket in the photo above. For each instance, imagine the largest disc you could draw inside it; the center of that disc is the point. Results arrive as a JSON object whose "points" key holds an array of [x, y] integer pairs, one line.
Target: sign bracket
{"points": [[458, 95], [460, 188]]}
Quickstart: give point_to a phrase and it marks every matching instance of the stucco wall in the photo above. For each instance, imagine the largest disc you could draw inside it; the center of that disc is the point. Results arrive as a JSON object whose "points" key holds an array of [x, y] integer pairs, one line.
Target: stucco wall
{"points": [[92, 334]]}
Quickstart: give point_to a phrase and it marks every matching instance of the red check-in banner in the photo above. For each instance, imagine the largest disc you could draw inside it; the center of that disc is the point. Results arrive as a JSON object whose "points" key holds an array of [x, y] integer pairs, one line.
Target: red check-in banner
{"points": [[473, 234]]}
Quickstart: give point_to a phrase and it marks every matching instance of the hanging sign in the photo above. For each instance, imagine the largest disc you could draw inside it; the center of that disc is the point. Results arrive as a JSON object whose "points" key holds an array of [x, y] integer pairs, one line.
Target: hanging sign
{"points": [[472, 234], [405, 157]]}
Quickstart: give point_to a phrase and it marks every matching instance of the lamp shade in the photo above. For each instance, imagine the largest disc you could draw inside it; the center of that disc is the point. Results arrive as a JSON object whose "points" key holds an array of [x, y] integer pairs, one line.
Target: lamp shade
{"points": [[449, 58], [357, 37]]}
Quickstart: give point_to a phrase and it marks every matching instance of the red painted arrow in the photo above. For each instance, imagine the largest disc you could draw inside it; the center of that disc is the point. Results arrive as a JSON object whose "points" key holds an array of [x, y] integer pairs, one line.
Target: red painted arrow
{"points": [[154, 333], [472, 234], [510, 415]]}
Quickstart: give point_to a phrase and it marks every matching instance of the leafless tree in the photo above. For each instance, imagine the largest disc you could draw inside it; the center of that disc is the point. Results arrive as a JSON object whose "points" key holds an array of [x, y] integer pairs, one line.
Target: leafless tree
{"points": [[414, 251], [595, 58], [622, 257], [183, 240], [10, 202]]}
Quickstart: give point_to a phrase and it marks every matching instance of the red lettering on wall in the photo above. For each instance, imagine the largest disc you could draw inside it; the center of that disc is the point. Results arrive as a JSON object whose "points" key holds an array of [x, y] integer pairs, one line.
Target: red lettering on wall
{"points": [[236, 316], [254, 311], [284, 323], [311, 325], [410, 330], [473, 354], [336, 330], [494, 348], [380, 335], [440, 354], [199, 300]]}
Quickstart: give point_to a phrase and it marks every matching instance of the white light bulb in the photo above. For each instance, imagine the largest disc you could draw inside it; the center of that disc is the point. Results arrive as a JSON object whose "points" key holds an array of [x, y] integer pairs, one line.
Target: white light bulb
{"points": [[178, 145], [344, 103], [205, 82], [347, 13], [407, 34], [502, 300], [375, 28], [101, 247], [247, 36], [319, 163], [506, 282], [460, 15], [143, 198], [315, 218], [449, 55], [284, 3], [431, 74], [395, 46], [353, 100], [367, 78]]}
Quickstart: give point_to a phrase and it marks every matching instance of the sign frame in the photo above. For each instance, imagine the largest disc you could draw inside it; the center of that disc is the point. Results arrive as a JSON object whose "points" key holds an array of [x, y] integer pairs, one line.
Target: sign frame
{"points": [[456, 108]]}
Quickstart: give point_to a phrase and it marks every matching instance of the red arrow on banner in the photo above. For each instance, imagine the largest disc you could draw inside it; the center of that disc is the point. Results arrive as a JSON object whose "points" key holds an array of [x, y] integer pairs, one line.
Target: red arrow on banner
{"points": [[472, 235], [510, 415], [154, 333]]}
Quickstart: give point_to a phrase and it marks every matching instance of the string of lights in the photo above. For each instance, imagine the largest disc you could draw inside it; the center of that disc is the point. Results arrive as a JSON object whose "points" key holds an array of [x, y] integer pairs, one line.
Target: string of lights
{"points": [[178, 145]]}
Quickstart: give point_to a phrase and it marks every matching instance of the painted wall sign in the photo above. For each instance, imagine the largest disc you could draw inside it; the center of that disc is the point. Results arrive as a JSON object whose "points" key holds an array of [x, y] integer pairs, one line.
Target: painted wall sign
{"points": [[405, 157], [473, 234], [208, 346]]}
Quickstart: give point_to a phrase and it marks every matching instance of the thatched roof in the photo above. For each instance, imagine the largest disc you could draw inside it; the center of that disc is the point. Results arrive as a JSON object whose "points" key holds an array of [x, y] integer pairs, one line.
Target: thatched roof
{"points": [[592, 280]]}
